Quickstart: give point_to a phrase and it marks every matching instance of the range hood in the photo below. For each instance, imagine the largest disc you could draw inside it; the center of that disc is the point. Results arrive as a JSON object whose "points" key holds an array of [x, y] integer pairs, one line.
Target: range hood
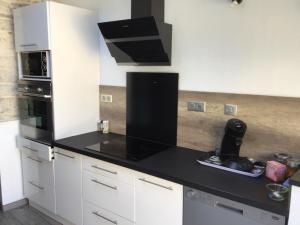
{"points": [[142, 40]]}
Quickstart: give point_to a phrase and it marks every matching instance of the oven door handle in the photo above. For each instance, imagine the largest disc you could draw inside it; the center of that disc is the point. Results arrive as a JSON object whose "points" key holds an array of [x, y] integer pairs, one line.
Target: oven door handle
{"points": [[35, 95]]}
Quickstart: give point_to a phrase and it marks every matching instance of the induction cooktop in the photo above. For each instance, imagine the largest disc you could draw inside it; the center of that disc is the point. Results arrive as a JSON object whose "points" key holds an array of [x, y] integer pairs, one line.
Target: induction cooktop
{"points": [[128, 148]]}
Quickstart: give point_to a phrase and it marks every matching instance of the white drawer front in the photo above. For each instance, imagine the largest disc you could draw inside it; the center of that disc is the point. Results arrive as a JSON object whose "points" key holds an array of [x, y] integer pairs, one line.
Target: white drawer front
{"points": [[42, 151], [109, 170], [38, 179], [93, 215], [112, 195]]}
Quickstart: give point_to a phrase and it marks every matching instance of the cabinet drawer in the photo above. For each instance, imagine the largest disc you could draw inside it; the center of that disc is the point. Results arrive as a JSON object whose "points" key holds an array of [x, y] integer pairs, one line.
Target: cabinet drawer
{"points": [[109, 170], [93, 215], [110, 194], [38, 181], [35, 149]]}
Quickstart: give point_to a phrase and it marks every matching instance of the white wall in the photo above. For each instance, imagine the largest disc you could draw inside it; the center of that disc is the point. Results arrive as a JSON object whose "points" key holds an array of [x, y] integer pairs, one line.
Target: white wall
{"points": [[250, 49], [10, 163]]}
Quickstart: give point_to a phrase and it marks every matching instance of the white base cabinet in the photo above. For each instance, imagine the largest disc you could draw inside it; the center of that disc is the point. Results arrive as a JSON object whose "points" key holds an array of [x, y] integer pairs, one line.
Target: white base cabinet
{"points": [[38, 174], [294, 217], [94, 215], [68, 185], [157, 201]]}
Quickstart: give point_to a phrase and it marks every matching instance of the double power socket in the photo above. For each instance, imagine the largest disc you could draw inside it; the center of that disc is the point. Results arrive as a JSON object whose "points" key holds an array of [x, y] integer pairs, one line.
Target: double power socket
{"points": [[229, 109]]}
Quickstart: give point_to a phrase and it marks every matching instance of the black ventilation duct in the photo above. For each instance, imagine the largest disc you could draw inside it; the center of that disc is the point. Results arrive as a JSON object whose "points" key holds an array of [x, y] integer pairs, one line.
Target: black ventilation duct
{"points": [[142, 40]]}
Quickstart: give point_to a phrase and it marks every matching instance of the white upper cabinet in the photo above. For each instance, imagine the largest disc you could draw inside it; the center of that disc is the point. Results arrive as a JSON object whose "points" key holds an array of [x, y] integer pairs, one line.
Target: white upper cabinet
{"points": [[31, 27], [157, 201], [68, 185]]}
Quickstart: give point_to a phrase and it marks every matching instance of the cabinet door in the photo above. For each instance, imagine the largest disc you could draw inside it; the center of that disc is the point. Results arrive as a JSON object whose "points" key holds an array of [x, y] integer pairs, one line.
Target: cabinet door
{"points": [[31, 27], [158, 201], [38, 180], [294, 216], [68, 185]]}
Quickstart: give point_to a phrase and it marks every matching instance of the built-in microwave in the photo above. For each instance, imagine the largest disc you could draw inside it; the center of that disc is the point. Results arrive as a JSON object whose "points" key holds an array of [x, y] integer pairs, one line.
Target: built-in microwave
{"points": [[34, 65]]}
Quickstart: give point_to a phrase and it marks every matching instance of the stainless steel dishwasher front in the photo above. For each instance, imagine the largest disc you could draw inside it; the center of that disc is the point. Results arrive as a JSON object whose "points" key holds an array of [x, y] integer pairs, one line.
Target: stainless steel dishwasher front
{"points": [[201, 208]]}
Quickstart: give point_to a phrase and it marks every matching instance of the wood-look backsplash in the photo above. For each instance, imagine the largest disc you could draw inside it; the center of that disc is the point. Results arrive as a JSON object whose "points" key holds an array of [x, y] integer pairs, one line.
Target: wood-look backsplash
{"points": [[273, 122]]}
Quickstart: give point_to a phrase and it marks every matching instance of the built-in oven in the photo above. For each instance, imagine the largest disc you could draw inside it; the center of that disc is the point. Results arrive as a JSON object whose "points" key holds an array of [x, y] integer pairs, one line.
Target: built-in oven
{"points": [[36, 111], [34, 65]]}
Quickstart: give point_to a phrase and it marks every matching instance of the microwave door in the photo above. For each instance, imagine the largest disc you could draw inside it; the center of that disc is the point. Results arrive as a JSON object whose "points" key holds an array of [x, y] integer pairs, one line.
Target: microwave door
{"points": [[34, 65]]}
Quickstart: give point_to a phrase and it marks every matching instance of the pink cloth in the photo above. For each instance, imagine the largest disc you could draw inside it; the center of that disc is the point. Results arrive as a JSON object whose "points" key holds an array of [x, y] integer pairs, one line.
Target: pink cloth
{"points": [[275, 171]]}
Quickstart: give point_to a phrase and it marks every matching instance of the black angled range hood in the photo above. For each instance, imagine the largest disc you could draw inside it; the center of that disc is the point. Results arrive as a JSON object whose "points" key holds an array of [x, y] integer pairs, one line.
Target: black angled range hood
{"points": [[142, 40]]}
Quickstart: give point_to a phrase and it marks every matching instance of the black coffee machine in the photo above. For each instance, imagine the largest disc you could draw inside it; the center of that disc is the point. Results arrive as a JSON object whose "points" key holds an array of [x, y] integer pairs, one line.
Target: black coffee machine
{"points": [[234, 132]]}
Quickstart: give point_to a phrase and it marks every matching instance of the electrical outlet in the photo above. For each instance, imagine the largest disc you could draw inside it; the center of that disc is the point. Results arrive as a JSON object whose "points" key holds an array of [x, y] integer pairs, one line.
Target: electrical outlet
{"points": [[230, 109], [196, 106], [106, 98]]}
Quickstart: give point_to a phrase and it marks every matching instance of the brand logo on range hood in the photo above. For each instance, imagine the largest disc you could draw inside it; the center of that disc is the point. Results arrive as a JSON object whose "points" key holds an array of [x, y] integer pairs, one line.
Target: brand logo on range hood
{"points": [[142, 40]]}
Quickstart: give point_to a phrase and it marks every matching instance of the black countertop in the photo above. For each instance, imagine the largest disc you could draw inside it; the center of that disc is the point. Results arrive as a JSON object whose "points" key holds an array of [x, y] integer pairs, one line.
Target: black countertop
{"points": [[295, 180], [179, 165]]}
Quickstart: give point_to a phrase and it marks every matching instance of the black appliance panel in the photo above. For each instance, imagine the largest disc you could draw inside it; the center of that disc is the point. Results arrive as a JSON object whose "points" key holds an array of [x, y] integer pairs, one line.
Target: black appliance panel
{"points": [[127, 148], [35, 110], [149, 51], [140, 27], [34, 64], [152, 100]]}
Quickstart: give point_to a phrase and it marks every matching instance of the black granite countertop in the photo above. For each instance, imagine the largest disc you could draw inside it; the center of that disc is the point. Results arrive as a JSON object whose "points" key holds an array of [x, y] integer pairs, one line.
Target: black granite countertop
{"points": [[295, 180], [179, 165]]}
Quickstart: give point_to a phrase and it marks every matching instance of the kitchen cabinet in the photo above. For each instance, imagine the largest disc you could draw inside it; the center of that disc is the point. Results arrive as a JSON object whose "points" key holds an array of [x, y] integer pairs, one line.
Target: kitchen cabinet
{"points": [[68, 185], [38, 180], [157, 201], [294, 216], [31, 28], [94, 215]]}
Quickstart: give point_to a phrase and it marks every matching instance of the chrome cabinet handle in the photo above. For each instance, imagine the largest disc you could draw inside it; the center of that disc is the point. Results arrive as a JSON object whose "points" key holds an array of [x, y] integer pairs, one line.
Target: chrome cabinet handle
{"points": [[106, 185], [159, 185], [229, 208], [105, 218], [71, 157], [39, 161], [35, 185], [34, 95], [31, 149], [28, 45], [105, 170]]}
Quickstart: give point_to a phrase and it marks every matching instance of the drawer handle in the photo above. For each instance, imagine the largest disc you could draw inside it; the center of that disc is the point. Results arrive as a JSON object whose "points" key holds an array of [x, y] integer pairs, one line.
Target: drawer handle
{"points": [[105, 170], [71, 157], [106, 185], [229, 208], [39, 161], [159, 185], [28, 45], [31, 149], [105, 218], [35, 185]]}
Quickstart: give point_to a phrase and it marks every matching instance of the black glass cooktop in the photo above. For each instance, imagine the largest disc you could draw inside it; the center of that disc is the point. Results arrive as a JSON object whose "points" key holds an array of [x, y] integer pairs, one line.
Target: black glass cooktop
{"points": [[128, 148]]}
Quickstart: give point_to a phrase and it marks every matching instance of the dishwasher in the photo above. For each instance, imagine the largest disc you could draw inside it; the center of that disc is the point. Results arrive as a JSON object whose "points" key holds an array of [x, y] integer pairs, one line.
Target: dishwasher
{"points": [[201, 208]]}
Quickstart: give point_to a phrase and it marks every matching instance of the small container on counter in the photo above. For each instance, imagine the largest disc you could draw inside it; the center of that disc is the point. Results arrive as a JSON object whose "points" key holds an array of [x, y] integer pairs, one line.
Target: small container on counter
{"points": [[103, 126], [292, 167], [276, 171]]}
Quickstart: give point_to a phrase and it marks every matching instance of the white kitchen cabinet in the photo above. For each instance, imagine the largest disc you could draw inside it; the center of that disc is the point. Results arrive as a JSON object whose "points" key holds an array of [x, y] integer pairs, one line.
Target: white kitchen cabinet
{"points": [[94, 215], [157, 201], [68, 185], [38, 180], [31, 28], [110, 194], [294, 216]]}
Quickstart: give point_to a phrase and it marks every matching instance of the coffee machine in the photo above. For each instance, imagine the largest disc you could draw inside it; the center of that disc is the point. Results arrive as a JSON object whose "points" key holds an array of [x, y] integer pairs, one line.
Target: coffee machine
{"points": [[234, 132]]}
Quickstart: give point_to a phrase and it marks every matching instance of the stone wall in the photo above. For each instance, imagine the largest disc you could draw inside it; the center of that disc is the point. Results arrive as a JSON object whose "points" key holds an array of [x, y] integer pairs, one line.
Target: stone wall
{"points": [[8, 62], [273, 122]]}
